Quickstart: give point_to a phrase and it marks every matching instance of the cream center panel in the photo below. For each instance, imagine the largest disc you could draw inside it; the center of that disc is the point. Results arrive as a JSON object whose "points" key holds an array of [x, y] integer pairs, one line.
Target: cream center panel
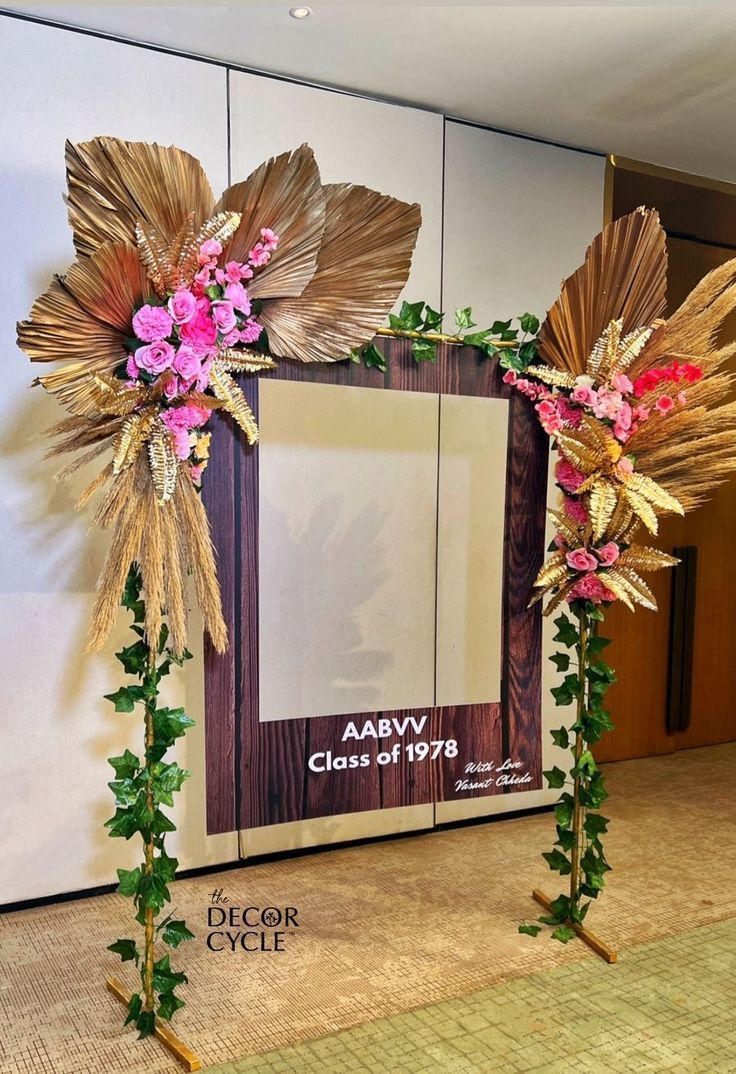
{"points": [[380, 549]]}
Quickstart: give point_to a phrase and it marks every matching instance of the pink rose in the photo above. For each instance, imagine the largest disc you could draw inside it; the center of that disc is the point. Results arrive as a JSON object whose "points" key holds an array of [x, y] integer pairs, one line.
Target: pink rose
{"points": [[224, 316], [608, 553], [621, 383], [182, 306], [187, 362], [270, 238], [152, 323], [664, 404], [622, 434], [171, 387], [580, 560], [155, 357], [584, 395], [576, 510], [568, 476], [201, 331], [259, 255], [209, 251], [237, 294]]}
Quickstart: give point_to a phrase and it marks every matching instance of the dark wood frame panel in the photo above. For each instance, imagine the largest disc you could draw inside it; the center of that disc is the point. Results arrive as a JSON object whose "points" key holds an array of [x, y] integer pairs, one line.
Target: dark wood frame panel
{"points": [[256, 772]]}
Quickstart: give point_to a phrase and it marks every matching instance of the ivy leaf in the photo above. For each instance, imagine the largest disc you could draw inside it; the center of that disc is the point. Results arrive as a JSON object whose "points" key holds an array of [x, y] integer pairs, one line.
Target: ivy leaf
{"points": [[477, 339], [557, 862], [464, 319], [123, 825], [597, 644], [374, 359], [163, 637], [529, 323], [134, 658], [354, 356], [126, 766], [165, 867], [561, 661], [145, 1023], [161, 823], [126, 791], [126, 949], [530, 930], [432, 320], [152, 893], [129, 879], [595, 824], [167, 780], [555, 777], [135, 1005], [564, 934], [410, 315], [565, 838], [169, 1004], [164, 978], [561, 737], [586, 765], [424, 350], [566, 631], [176, 932], [121, 699], [564, 811], [498, 327]]}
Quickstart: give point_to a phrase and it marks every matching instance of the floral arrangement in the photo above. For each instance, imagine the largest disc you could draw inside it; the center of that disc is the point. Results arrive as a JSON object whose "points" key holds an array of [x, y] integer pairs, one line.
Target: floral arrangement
{"points": [[169, 296], [634, 406]]}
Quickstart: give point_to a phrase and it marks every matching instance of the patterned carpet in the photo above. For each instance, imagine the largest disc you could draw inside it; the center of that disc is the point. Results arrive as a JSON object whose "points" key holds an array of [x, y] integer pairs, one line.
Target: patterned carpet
{"points": [[383, 929]]}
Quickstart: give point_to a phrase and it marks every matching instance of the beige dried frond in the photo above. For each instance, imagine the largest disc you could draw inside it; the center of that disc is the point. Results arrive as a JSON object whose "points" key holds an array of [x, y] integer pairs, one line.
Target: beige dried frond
{"points": [[623, 277], [231, 396]]}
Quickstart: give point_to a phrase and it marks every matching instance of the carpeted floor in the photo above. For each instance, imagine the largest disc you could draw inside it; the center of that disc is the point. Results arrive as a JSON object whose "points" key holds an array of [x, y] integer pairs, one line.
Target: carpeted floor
{"points": [[383, 929]]}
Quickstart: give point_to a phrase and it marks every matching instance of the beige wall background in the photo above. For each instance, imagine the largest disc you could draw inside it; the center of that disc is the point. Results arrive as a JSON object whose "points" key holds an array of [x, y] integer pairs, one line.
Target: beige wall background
{"points": [[504, 220]]}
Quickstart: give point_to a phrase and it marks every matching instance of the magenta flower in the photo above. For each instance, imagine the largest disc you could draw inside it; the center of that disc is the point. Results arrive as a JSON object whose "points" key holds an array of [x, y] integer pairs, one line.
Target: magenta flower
{"points": [[224, 316], [576, 510], [237, 294], [251, 331], [664, 404], [155, 357], [568, 476]]}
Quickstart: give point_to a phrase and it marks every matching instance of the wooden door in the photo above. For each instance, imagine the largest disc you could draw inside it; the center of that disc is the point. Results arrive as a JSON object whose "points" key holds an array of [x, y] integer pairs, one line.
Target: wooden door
{"points": [[641, 640]]}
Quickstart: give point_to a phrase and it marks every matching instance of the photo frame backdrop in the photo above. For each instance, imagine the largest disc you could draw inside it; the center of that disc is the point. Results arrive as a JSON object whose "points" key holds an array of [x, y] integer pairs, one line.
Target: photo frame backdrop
{"points": [[257, 773]]}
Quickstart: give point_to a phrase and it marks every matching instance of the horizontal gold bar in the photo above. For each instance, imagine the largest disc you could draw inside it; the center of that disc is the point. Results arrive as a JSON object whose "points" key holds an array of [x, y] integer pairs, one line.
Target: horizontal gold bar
{"points": [[170, 1041], [438, 337]]}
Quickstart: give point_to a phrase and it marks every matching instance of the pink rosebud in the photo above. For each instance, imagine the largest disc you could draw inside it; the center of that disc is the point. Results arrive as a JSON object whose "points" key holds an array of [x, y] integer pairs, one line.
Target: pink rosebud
{"points": [[664, 404], [259, 255], [510, 376], [580, 560], [171, 387], [237, 294], [187, 362], [152, 323], [584, 395], [622, 383], [608, 553], [209, 250], [546, 409], [590, 587], [559, 540], [155, 357], [182, 306], [224, 316]]}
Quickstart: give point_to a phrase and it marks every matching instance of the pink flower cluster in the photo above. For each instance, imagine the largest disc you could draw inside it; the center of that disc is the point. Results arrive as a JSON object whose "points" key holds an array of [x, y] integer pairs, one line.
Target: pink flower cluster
{"points": [[614, 403], [175, 344]]}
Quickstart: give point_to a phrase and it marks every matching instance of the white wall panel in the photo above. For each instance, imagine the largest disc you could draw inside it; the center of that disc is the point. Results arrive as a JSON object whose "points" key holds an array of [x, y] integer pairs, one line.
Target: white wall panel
{"points": [[56, 730], [390, 148], [518, 218]]}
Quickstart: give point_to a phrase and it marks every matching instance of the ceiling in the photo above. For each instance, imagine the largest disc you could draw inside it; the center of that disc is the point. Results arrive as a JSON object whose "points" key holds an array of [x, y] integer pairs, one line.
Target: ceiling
{"points": [[654, 83]]}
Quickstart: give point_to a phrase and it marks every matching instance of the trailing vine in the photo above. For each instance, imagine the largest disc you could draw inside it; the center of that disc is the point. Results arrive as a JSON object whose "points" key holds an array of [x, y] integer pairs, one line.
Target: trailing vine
{"points": [[578, 850], [417, 321], [141, 787]]}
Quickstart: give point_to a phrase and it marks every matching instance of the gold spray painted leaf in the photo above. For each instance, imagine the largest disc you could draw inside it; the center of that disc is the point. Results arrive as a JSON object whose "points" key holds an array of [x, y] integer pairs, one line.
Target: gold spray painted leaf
{"points": [[641, 558], [244, 361], [233, 400], [603, 501], [130, 439], [163, 462]]}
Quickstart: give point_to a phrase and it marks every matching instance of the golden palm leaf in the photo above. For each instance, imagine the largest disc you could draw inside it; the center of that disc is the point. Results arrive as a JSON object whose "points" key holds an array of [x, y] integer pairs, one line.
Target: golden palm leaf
{"points": [[623, 277], [233, 400], [363, 264], [286, 195], [549, 573], [603, 503], [113, 184], [131, 438], [163, 461], [557, 378], [641, 558]]}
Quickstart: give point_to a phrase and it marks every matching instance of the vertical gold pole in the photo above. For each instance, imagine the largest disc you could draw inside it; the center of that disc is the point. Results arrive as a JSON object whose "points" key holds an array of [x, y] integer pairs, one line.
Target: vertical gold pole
{"points": [[148, 959], [578, 811]]}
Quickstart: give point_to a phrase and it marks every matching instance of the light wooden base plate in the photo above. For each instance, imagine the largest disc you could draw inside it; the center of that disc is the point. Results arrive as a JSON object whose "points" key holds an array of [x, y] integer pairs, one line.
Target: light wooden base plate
{"points": [[605, 952], [185, 1055]]}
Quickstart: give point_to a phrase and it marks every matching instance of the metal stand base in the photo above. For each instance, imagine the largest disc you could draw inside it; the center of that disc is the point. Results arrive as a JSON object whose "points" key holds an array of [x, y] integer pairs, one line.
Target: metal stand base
{"points": [[605, 952], [185, 1055]]}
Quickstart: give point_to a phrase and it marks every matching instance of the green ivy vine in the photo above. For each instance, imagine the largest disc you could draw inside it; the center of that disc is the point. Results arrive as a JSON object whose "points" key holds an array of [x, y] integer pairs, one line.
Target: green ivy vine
{"points": [[578, 849], [141, 787]]}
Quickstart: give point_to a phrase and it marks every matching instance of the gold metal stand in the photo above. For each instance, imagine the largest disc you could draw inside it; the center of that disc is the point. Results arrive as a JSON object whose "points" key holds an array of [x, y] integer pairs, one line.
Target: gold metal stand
{"points": [[605, 952], [184, 1055]]}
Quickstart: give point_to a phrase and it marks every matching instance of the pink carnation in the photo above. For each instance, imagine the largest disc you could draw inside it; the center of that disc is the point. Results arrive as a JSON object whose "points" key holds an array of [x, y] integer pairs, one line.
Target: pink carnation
{"points": [[152, 323], [576, 510], [185, 417], [155, 357], [590, 587], [131, 367], [250, 332], [580, 560], [608, 553], [568, 476]]}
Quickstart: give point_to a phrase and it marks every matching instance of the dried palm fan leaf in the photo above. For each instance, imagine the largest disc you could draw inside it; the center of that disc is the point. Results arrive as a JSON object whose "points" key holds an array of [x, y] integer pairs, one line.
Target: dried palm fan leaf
{"points": [[363, 265], [623, 277], [113, 184], [284, 194]]}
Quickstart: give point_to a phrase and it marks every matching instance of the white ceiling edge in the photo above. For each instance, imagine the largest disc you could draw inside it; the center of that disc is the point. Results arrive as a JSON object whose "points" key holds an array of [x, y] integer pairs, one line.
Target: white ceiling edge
{"points": [[654, 83]]}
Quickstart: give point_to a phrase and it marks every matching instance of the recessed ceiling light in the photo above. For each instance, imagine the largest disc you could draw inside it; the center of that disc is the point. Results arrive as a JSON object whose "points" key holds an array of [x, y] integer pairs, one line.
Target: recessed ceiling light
{"points": [[300, 12]]}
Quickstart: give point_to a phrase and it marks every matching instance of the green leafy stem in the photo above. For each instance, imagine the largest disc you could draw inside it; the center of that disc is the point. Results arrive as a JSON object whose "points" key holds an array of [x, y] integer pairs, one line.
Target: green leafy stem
{"points": [[578, 849], [417, 321], [141, 788]]}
